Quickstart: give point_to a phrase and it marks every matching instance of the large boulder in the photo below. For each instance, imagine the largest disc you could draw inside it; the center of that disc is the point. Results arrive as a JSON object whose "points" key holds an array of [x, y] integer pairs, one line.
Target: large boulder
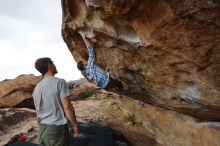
{"points": [[166, 52], [17, 92], [146, 125]]}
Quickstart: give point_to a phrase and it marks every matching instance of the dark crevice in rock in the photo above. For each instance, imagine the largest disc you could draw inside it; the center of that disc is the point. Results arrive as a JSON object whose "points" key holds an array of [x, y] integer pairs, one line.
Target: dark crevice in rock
{"points": [[28, 103]]}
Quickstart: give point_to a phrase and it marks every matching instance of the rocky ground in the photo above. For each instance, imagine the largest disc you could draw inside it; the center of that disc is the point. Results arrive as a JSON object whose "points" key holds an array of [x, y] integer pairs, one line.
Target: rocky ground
{"points": [[17, 120], [141, 124], [91, 105]]}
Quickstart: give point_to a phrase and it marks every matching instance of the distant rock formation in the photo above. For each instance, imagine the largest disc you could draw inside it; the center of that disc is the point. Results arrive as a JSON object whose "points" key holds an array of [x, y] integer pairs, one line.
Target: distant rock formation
{"points": [[167, 52], [17, 92], [73, 83]]}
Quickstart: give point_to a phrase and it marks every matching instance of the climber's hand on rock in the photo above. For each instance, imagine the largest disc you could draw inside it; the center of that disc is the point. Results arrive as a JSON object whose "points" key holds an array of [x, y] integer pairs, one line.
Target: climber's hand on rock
{"points": [[83, 34], [85, 39]]}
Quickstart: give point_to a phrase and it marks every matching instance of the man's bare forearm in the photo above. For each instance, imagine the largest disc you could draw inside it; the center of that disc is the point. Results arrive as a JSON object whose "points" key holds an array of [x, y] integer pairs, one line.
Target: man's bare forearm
{"points": [[70, 113], [87, 42], [69, 110], [87, 78]]}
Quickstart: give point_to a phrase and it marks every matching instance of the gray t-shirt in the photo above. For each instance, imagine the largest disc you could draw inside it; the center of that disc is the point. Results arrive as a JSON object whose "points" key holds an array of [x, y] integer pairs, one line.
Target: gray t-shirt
{"points": [[47, 100]]}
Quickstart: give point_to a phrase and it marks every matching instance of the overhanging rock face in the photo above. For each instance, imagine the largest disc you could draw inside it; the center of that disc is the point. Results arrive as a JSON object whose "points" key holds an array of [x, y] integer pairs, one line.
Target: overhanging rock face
{"points": [[166, 52]]}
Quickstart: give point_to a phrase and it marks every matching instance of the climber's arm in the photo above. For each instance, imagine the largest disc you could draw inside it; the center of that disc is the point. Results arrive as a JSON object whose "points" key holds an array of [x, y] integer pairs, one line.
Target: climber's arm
{"points": [[86, 41], [84, 74], [90, 48], [91, 59]]}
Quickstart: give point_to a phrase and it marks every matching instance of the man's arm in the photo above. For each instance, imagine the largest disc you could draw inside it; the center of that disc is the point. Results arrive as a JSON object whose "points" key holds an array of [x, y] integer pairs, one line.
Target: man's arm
{"points": [[90, 48], [70, 113], [87, 77], [86, 41]]}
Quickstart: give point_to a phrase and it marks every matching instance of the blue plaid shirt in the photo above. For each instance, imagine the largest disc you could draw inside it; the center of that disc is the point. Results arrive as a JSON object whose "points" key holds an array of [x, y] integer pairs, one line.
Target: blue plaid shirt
{"points": [[94, 72]]}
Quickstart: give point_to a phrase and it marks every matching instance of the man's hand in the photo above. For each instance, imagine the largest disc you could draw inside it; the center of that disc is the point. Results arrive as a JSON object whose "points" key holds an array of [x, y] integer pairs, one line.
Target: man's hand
{"points": [[85, 39], [76, 130], [83, 34]]}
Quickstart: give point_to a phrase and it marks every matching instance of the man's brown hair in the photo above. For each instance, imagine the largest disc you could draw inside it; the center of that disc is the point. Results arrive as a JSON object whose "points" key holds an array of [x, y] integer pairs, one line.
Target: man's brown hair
{"points": [[41, 64], [80, 66]]}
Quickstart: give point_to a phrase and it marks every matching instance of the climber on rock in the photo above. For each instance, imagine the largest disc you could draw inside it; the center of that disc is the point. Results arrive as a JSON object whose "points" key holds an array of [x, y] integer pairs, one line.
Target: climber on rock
{"points": [[94, 73]]}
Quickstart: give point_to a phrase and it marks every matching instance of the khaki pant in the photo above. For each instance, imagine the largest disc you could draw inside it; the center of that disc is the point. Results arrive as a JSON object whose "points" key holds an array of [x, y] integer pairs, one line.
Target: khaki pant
{"points": [[52, 135]]}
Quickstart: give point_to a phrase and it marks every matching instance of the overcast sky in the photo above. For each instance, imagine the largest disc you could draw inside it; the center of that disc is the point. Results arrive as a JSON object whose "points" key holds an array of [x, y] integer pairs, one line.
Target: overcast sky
{"points": [[30, 29]]}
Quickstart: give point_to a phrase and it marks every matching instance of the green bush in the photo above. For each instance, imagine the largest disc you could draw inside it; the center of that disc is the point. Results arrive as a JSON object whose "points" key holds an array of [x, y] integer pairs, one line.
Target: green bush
{"points": [[129, 118]]}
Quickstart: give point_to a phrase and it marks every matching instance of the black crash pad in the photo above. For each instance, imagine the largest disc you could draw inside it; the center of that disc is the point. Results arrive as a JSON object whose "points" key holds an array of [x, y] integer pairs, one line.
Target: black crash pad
{"points": [[90, 135], [21, 143], [95, 135]]}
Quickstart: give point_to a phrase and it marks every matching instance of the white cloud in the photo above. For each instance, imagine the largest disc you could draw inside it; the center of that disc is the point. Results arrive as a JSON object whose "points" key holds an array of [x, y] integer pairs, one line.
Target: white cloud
{"points": [[31, 29]]}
